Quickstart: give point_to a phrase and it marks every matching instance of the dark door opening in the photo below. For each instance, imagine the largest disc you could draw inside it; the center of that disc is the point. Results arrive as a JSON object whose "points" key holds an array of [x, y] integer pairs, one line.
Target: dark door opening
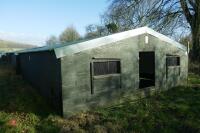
{"points": [[146, 69]]}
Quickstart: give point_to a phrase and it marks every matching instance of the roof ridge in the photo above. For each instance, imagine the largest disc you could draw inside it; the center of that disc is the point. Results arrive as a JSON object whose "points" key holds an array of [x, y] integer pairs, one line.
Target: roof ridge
{"points": [[64, 50], [71, 49]]}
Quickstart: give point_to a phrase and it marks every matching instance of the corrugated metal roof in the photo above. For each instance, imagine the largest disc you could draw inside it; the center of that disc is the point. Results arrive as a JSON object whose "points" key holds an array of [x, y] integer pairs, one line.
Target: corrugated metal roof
{"points": [[69, 49], [72, 49], [49, 47]]}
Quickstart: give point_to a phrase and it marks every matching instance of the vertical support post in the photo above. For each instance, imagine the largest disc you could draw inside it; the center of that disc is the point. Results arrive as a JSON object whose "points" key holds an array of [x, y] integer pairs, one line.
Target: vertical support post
{"points": [[91, 78], [188, 51]]}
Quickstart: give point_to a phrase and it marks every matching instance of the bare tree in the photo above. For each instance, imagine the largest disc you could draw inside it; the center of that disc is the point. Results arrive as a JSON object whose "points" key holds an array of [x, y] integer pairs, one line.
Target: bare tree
{"points": [[70, 34], [166, 16], [185, 40], [191, 10], [112, 27], [93, 31], [52, 40]]}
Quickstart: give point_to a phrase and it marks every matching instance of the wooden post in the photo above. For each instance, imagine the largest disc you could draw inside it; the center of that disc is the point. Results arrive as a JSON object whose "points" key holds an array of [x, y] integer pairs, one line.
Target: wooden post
{"points": [[188, 51]]}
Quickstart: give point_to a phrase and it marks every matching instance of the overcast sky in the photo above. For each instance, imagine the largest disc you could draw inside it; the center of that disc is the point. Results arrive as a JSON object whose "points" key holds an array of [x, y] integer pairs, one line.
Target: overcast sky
{"points": [[33, 21]]}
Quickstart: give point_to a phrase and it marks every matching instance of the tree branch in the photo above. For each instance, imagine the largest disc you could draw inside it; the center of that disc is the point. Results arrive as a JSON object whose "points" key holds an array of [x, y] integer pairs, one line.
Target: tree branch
{"points": [[192, 3], [186, 11]]}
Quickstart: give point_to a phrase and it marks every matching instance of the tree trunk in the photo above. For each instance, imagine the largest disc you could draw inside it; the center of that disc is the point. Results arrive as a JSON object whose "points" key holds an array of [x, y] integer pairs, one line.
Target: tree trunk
{"points": [[196, 44], [194, 21], [195, 28]]}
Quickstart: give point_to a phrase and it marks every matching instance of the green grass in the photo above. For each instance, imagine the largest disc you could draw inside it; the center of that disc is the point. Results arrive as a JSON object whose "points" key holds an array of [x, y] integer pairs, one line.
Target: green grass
{"points": [[194, 79], [175, 110], [19, 102]]}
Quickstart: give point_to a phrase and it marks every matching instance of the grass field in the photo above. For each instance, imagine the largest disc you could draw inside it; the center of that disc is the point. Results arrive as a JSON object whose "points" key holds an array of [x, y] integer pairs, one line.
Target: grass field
{"points": [[22, 110]]}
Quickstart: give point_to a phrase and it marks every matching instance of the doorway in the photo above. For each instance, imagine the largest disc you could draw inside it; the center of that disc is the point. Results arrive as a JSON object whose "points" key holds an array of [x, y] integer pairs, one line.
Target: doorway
{"points": [[146, 69]]}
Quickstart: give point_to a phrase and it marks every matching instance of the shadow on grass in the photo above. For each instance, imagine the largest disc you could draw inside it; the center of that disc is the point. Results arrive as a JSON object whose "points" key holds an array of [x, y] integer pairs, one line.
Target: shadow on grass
{"points": [[20, 103], [16, 95]]}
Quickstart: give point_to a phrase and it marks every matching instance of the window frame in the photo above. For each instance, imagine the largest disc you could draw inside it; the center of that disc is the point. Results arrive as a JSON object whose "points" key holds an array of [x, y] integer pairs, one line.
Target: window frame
{"points": [[95, 77], [174, 66], [105, 60], [171, 56]]}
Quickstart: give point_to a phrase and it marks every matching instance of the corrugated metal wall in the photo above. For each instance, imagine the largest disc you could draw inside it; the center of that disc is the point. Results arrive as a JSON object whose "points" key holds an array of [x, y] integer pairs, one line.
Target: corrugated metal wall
{"points": [[43, 71]]}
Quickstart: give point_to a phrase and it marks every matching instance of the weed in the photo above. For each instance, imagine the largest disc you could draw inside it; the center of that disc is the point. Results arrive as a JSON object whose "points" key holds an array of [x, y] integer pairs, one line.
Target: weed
{"points": [[22, 110]]}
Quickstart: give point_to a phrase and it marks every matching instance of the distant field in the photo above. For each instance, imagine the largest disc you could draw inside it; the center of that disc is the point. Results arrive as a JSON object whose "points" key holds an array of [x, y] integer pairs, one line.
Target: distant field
{"points": [[22, 110], [8, 46]]}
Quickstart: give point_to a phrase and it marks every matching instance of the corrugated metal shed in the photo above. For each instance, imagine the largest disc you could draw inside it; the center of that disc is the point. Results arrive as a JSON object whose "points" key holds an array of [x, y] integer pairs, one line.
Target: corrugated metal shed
{"points": [[67, 75]]}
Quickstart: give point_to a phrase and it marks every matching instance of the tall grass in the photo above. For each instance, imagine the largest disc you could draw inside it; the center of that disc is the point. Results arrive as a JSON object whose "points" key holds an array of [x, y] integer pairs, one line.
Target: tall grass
{"points": [[22, 110]]}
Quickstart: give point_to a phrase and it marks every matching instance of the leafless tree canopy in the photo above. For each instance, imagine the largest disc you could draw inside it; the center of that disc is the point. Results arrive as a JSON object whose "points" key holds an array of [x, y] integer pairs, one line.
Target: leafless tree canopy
{"points": [[157, 14], [170, 17]]}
